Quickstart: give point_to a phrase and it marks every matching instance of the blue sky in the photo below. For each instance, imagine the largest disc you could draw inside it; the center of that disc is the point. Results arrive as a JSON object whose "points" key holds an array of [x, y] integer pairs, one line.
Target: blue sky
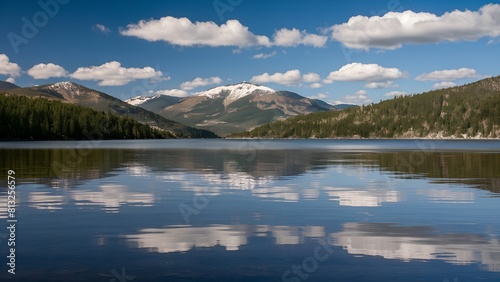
{"points": [[349, 51]]}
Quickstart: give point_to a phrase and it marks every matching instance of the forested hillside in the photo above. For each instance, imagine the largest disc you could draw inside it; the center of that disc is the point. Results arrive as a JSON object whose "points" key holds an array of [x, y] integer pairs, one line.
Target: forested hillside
{"points": [[471, 110], [27, 118]]}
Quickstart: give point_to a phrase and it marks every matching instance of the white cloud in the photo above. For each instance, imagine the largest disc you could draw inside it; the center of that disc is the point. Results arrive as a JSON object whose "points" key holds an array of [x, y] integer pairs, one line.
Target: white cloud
{"points": [[337, 102], [316, 85], [264, 56], [311, 77], [322, 95], [294, 37], [364, 72], [360, 97], [113, 74], [11, 80], [8, 68], [447, 75], [291, 77], [173, 92], [101, 28], [394, 29], [197, 82], [288, 78], [444, 84], [383, 84], [183, 32], [395, 93], [44, 71]]}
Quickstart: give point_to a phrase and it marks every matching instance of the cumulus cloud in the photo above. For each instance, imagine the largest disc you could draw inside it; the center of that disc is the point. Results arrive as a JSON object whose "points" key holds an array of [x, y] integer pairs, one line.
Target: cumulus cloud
{"points": [[321, 95], [444, 84], [448, 74], [316, 85], [197, 82], [294, 37], [394, 29], [291, 77], [183, 32], [113, 74], [264, 56], [44, 71], [173, 92], [101, 28], [360, 97], [311, 77], [395, 94], [384, 84], [364, 72], [8, 68], [288, 78]]}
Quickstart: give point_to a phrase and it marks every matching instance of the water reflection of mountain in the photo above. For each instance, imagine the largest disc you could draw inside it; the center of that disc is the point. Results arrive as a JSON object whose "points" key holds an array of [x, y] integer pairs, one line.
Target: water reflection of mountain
{"points": [[481, 170], [389, 241], [70, 167], [62, 168]]}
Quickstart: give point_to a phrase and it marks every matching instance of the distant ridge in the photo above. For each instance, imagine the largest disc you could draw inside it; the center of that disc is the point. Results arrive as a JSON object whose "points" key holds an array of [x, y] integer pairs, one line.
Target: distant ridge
{"points": [[467, 111], [4, 85]]}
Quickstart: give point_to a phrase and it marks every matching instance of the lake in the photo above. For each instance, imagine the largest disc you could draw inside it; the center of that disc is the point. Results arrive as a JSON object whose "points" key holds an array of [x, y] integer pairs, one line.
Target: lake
{"points": [[252, 210]]}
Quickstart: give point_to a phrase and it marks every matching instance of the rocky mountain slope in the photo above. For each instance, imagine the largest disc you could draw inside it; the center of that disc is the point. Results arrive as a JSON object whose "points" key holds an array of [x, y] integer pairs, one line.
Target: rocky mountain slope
{"points": [[73, 93]]}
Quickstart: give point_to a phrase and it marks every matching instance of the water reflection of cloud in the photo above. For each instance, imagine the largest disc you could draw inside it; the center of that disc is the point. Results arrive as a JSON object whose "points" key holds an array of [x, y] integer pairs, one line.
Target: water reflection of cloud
{"points": [[111, 197], [138, 170], [362, 198], [45, 201], [214, 184], [387, 240], [417, 243], [447, 196], [287, 193], [184, 238]]}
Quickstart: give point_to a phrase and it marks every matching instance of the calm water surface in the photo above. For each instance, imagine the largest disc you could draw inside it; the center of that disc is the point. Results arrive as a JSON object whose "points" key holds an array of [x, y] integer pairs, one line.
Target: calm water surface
{"points": [[239, 210]]}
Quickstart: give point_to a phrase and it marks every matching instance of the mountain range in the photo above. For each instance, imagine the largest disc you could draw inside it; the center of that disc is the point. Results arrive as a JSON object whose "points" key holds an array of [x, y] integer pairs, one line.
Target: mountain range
{"points": [[219, 111], [73, 93], [233, 108], [467, 111]]}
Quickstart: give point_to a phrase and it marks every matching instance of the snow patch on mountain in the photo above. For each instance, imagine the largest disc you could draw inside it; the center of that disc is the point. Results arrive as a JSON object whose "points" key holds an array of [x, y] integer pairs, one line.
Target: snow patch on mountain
{"points": [[235, 91], [136, 101], [67, 86]]}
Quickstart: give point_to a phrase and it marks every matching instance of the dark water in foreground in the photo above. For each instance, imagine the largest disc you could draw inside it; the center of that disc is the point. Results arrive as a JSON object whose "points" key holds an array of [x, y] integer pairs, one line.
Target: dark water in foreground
{"points": [[237, 210]]}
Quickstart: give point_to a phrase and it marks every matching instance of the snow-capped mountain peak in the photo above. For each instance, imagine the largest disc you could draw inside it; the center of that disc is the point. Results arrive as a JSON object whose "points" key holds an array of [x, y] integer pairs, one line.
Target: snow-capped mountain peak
{"points": [[67, 86], [235, 91], [136, 101]]}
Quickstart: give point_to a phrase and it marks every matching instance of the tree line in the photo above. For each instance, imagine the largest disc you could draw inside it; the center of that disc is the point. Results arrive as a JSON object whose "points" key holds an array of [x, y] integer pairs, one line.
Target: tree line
{"points": [[24, 118]]}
